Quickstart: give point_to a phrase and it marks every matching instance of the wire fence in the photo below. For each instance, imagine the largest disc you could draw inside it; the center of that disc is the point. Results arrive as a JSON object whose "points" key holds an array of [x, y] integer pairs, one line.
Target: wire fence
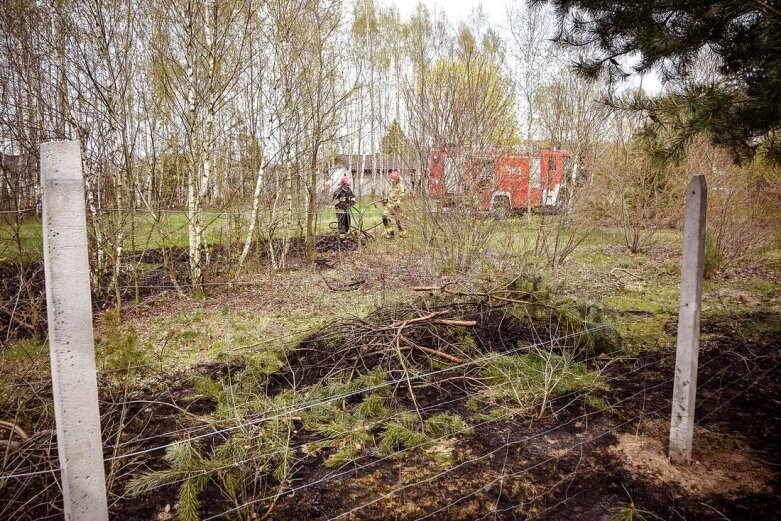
{"points": [[289, 411], [355, 467], [197, 429], [252, 420], [19, 211], [440, 405], [281, 413]]}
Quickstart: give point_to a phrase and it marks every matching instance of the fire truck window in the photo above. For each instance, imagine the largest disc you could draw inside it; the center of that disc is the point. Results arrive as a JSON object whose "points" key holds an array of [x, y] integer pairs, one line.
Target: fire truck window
{"points": [[551, 163]]}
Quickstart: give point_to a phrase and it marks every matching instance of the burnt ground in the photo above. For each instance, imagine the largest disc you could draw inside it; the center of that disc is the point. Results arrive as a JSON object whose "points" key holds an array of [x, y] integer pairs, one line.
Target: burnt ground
{"points": [[573, 464], [577, 462], [144, 274]]}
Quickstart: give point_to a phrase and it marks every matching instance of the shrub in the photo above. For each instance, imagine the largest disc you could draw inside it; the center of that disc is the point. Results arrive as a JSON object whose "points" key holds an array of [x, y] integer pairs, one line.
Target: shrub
{"points": [[122, 348]]}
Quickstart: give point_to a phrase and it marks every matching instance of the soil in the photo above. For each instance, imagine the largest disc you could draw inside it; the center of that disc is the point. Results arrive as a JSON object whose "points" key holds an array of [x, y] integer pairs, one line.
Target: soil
{"points": [[734, 473], [576, 462], [573, 463], [144, 275]]}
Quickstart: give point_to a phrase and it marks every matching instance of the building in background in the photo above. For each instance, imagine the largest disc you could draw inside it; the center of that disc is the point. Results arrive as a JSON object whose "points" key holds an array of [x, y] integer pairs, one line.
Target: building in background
{"points": [[368, 173]]}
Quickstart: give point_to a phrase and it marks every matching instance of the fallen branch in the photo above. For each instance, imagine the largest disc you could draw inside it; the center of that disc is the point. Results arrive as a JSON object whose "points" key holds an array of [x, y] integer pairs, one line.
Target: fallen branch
{"points": [[459, 323], [406, 371], [431, 351], [636, 277], [405, 323], [14, 428]]}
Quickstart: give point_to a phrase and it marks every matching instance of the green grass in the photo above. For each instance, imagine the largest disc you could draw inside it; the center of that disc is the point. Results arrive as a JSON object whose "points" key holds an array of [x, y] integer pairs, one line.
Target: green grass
{"points": [[370, 215], [28, 236], [531, 379], [143, 232]]}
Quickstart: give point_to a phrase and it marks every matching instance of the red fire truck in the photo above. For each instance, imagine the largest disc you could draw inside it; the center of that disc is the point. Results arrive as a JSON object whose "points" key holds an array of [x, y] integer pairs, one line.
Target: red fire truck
{"points": [[506, 182]]}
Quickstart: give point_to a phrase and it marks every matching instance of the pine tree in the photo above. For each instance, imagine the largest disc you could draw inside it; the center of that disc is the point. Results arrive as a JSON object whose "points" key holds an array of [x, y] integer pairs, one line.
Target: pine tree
{"points": [[740, 111], [395, 142]]}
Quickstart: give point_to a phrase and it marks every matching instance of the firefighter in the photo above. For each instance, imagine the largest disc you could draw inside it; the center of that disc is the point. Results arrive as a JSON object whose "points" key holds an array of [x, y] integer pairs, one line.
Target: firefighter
{"points": [[345, 199], [392, 212]]}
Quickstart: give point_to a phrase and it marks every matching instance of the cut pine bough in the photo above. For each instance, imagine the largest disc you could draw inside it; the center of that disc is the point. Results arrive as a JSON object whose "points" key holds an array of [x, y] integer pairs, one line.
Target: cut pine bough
{"points": [[386, 384]]}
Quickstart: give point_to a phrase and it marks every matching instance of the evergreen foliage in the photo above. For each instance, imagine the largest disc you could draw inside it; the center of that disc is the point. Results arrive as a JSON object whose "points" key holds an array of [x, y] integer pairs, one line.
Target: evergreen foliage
{"points": [[740, 111], [521, 380], [122, 348]]}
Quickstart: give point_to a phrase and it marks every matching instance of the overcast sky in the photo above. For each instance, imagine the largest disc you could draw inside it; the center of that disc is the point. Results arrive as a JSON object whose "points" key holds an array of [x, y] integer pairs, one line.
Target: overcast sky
{"points": [[457, 9], [496, 11]]}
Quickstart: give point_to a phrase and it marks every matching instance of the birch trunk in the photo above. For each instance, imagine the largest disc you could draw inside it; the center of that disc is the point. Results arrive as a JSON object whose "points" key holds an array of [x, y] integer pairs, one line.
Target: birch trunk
{"points": [[288, 224], [209, 6], [193, 192], [273, 222], [255, 208], [311, 207], [100, 253]]}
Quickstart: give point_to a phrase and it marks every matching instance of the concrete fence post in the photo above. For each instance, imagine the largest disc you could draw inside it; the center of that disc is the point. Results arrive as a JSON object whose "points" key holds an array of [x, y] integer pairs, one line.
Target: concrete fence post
{"points": [[687, 351], [71, 344]]}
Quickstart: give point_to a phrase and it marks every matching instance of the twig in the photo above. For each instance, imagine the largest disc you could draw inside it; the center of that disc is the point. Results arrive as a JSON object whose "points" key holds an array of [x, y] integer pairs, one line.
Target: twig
{"points": [[637, 277], [405, 323], [431, 351], [406, 372], [14, 428], [458, 323]]}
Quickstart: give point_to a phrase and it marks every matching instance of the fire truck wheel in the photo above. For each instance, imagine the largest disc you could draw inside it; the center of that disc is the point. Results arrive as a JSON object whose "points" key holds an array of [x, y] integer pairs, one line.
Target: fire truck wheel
{"points": [[500, 208]]}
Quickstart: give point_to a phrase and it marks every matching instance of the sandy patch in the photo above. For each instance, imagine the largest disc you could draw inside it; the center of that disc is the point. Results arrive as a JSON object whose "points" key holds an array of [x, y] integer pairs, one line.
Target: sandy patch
{"points": [[730, 472]]}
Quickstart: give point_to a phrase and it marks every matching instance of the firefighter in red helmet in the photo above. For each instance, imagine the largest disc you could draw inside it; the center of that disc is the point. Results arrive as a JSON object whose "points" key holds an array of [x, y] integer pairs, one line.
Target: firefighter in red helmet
{"points": [[392, 213], [345, 199]]}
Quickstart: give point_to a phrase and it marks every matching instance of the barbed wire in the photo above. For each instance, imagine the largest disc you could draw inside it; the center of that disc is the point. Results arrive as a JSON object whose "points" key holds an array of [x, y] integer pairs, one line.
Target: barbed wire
{"points": [[738, 395], [440, 405], [28, 474], [201, 428], [206, 427], [301, 445], [21, 210], [267, 341], [290, 410], [484, 486], [355, 469], [331, 399]]}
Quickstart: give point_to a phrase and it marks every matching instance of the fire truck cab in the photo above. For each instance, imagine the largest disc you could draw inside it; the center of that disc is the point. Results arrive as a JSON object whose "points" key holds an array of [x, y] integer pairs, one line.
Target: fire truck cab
{"points": [[506, 182]]}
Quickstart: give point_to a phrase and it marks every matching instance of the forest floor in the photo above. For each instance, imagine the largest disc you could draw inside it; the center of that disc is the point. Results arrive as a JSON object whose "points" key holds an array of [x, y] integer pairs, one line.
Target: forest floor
{"points": [[370, 433]]}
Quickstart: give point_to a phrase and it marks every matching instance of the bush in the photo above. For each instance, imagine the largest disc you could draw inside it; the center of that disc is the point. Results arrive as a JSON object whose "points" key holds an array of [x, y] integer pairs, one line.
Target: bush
{"points": [[122, 349], [455, 237]]}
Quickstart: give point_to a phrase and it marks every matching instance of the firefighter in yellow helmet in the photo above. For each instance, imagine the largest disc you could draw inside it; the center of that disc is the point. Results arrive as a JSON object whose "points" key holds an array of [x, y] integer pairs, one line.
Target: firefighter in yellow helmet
{"points": [[391, 216]]}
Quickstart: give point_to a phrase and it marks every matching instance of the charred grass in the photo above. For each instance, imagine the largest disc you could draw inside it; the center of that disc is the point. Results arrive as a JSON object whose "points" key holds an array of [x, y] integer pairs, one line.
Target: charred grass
{"points": [[468, 402]]}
